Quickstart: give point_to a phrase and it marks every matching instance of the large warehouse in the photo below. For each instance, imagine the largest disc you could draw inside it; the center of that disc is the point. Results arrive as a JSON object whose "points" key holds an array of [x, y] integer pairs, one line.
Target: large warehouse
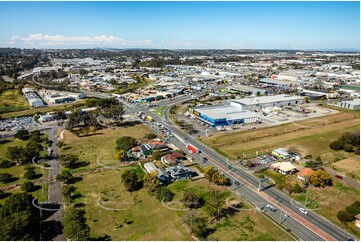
{"points": [[225, 115], [259, 103]]}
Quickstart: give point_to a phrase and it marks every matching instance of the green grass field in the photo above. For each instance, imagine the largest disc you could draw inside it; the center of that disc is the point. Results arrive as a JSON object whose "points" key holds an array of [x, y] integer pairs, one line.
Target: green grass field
{"points": [[159, 111], [33, 111], [103, 192], [99, 149], [11, 101]]}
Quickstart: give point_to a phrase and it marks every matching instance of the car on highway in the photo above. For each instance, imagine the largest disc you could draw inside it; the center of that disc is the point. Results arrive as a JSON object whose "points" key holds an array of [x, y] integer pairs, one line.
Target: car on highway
{"points": [[302, 210], [271, 208], [339, 177]]}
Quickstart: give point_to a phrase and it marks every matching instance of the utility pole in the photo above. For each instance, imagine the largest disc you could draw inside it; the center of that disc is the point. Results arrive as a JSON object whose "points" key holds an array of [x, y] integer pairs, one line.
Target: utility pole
{"points": [[308, 191]]}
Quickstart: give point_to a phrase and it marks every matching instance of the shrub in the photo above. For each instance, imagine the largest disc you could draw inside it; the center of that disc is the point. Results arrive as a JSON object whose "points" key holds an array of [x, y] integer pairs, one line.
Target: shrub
{"points": [[337, 145]]}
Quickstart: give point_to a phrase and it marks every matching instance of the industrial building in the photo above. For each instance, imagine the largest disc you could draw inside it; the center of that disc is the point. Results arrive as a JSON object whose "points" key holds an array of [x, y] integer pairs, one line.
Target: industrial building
{"points": [[32, 97], [259, 103], [61, 97], [354, 104], [225, 115], [246, 90]]}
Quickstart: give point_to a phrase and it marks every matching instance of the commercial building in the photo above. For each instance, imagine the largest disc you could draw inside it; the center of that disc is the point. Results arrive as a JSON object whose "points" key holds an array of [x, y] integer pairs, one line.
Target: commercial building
{"points": [[225, 115], [259, 103]]}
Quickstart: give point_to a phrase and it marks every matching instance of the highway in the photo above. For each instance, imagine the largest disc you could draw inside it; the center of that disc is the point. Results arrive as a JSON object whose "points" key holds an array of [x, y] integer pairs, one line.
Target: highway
{"points": [[307, 227]]}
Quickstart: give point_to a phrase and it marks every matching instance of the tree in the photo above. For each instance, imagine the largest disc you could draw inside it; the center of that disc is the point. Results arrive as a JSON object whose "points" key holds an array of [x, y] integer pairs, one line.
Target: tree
{"points": [[30, 174], [190, 199], [67, 192], [64, 176], [214, 176], [215, 204], [348, 148], [60, 144], [6, 164], [150, 136], [344, 216], [151, 181], [156, 155], [22, 134], [16, 154], [5, 177], [131, 180], [198, 224], [74, 225], [27, 186], [120, 155], [320, 178], [164, 194], [69, 161], [354, 208], [125, 143], [19, 219]]}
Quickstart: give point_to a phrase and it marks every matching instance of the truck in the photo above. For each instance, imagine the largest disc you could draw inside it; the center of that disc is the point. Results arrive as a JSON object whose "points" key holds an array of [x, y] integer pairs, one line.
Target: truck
{"points": [[192, 149]]}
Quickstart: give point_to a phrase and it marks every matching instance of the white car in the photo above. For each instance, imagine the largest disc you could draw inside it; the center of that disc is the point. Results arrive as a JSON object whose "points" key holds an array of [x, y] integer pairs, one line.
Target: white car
{"points": [[302, 210]]}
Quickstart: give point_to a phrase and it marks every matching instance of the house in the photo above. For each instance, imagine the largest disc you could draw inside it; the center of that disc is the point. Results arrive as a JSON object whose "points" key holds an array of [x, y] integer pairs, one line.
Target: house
{"points": [[284, 168], [146, 150], [357, 221], [172, 159], [163, 177], [179, 172], [305, 174]]}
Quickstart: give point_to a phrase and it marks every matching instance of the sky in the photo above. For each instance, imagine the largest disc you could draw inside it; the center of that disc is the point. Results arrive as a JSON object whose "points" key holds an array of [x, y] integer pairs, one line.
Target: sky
{"points": [[181, 25]]}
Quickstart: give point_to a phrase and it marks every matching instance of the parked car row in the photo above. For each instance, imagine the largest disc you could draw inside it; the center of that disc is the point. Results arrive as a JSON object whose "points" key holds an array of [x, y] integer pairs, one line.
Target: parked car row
{"points": [[163, 130], [259, 161], [16, 124]]}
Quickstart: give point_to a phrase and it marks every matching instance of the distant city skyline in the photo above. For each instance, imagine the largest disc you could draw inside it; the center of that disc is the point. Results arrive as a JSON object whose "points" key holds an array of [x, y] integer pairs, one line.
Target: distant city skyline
{"points": [[181, 25]]}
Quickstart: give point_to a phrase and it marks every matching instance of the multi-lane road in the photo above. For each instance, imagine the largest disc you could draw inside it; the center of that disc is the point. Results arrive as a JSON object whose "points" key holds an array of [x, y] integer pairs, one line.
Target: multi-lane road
{"points": [[306, 227]]}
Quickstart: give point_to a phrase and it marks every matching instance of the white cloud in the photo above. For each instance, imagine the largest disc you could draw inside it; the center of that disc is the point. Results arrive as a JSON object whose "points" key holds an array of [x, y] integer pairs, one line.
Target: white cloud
{"points": [[43, 41]]}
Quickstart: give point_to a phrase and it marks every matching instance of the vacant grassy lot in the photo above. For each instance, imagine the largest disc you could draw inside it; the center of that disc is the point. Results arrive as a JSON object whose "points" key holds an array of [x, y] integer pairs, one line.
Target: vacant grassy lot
{"points": [[159, 111], [99, 149], [33, 111], [349, 166], [328, 201], [142, 217], [12, 100], [308, 137]]}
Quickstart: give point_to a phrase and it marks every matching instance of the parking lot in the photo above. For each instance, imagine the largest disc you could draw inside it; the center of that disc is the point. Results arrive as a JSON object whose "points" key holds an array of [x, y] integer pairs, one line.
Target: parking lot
{"points": [[15, 124]]}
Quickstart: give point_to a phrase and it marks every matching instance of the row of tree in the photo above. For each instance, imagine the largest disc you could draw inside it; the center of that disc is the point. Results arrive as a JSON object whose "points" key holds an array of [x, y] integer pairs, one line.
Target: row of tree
{"points": [[108, 112], [350, 142]]}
